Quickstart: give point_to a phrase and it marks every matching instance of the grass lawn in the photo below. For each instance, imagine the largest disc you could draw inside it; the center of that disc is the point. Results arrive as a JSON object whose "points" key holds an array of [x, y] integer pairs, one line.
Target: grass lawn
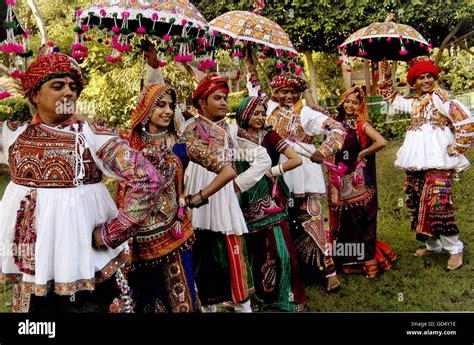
{"points": [[415, 284]]}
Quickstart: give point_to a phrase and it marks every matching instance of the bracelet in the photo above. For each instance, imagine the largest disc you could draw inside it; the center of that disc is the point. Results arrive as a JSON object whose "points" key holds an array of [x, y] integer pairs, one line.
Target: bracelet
{"points": [[276, 170], [280, 166], [192, 203], [102, 234]]}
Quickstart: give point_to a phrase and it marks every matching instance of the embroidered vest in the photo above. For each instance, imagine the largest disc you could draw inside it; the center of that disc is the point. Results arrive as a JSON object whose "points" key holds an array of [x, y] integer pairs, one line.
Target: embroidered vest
{"points": [[288, 125], [42, 157], [425, 112]]}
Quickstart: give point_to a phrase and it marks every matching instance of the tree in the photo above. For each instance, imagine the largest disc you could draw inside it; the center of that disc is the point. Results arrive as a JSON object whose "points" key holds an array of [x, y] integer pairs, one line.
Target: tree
{"points": [[457, 72]]}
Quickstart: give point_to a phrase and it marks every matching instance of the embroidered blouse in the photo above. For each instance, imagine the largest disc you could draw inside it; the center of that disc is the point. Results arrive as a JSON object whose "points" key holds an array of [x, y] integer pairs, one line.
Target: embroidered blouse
{"points": [[170, 155]]}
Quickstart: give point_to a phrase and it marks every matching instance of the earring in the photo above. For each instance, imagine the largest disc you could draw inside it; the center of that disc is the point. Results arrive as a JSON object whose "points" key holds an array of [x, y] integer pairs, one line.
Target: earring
{"points": [[143, 128]]}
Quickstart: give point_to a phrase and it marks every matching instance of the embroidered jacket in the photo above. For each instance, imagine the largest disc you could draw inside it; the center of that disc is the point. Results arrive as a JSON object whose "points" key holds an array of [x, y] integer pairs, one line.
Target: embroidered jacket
{"points": [[41, 156], [232, 144], [438, 108], [302, 126]]}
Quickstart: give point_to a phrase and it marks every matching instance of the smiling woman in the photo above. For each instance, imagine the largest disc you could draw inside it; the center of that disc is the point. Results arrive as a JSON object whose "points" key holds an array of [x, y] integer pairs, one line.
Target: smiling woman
{"points": [[353, 203], [271, 251], [161, 268]]}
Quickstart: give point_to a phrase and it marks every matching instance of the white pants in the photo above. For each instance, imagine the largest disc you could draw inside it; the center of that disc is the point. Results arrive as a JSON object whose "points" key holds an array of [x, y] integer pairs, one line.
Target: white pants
{"points": [[450, 243], [238, 308]]}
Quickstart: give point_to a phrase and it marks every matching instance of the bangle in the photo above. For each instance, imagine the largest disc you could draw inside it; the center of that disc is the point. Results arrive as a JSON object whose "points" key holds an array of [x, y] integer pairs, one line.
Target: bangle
{"points": [[191, 201], [280, 166], [275, 171], [102, 234]]}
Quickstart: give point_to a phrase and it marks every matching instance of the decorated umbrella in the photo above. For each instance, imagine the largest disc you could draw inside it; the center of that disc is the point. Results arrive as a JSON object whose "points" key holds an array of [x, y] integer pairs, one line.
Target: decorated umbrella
{"points": [[181, 28], [246, 29], [249, 26], [384, 40], [388, 40]]}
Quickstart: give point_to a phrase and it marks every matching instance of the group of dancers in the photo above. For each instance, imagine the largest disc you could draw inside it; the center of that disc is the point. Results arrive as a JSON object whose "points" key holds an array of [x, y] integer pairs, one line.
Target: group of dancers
{"points": [[207, 211]]}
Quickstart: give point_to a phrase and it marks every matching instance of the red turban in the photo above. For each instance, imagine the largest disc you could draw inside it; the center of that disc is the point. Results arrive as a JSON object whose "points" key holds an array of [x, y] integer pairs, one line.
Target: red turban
{"points": [[47, 67], [288, 80], [211, 83], [420, 68]]}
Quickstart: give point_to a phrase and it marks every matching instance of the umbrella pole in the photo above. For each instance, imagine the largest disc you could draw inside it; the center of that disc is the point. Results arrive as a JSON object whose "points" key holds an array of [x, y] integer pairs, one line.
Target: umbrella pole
{"points": [[265, 74], [381, 76], [193, 73], [251, 68], [368, 83], [142, 79]]}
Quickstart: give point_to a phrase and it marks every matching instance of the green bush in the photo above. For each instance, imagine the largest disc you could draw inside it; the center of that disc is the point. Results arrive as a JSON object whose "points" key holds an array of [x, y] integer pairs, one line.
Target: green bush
{"points": [[14, 109], [233, 101]]}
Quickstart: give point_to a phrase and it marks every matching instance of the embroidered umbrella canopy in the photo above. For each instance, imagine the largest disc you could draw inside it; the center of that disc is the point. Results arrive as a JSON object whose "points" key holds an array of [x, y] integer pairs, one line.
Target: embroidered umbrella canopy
{"points": [[388, 40], [249, 26], [179, 26], [254, 37]]}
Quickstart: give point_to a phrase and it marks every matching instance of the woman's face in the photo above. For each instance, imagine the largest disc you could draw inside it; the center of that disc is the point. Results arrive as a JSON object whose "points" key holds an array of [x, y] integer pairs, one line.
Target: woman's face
{"points": [[258, 117], [163, 114], [351, 104]]}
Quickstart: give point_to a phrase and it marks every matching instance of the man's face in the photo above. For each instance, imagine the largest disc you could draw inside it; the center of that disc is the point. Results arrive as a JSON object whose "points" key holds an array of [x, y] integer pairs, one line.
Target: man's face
{"points": [[56, 100], [287, 96], [214, 107], [424, 83]]}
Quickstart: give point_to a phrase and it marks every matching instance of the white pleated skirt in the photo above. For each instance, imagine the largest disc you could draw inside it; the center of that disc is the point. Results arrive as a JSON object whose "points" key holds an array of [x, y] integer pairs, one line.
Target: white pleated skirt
{"points": [[308, 178], [427, 148], [223, 213], [65, 261]]}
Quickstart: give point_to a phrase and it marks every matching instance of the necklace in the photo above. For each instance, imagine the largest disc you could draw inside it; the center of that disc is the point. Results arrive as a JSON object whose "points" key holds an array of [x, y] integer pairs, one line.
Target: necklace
{"points": [[156, 139], [257, 137], [350, 122], [161, 134]]}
